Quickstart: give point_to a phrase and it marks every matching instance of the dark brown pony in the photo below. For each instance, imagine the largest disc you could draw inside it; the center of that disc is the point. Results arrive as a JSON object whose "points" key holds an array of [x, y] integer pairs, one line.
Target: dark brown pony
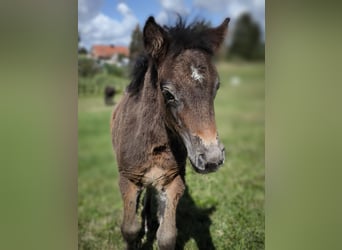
{"points": [[109, 93], [165, 116]]}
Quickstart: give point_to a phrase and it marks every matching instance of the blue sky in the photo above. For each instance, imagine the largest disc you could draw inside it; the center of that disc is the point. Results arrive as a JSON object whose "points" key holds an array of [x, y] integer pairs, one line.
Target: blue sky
{"points": [[112, 21]]}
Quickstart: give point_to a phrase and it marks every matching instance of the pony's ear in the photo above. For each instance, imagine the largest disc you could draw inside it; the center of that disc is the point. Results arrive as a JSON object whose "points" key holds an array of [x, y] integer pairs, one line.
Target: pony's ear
{"points": [[155, 39], [218, 34]]}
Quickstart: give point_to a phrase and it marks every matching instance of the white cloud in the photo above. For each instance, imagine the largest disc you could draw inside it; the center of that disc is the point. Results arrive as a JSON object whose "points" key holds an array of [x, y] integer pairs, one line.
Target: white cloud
{"points": [[176, 6], [212, 6], [162, 17], [170, 10], [234, 8], [123, 9], [259, 3], [98, 28], [88, 9]]}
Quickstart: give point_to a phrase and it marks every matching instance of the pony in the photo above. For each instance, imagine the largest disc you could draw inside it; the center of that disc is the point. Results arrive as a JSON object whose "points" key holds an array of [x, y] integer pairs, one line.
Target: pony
{"points": [[165, 116], [109, 93]]}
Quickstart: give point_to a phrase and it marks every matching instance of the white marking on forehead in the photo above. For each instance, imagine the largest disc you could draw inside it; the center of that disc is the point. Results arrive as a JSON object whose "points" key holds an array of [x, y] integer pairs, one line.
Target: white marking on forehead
{"points": [[196, 75]]}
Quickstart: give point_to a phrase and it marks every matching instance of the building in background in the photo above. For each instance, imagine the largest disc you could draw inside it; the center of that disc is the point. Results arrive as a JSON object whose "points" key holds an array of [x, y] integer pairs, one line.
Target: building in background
{"points": [[111, 54]]}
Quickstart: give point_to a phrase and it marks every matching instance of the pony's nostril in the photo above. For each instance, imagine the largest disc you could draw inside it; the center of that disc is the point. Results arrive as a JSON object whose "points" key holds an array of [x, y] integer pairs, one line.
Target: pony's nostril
{"points": [[201, 157], [200, 162]]}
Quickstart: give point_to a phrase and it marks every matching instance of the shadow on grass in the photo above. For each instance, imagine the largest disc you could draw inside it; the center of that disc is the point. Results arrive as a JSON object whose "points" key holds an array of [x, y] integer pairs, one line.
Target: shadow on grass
{"points": [[192, 223]]}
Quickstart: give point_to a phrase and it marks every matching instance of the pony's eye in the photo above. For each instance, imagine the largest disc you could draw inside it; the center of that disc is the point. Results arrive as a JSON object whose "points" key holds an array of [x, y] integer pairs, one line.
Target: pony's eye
{"points": [[168, 96], [218, 85]]}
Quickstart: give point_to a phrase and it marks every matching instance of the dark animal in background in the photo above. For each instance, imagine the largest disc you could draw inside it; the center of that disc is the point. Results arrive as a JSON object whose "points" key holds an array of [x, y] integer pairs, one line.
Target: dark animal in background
{"points": [[165, 116], [109, 93]]}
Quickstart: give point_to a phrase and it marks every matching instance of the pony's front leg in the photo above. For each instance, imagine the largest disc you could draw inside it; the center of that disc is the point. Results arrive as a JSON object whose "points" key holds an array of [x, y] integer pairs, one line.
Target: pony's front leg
{"points": [[168, 200], [130, 227]]}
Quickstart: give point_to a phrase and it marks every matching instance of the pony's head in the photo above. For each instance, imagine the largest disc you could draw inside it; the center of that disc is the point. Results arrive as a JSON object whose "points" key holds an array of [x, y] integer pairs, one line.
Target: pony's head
{"points": [[187, 81]]}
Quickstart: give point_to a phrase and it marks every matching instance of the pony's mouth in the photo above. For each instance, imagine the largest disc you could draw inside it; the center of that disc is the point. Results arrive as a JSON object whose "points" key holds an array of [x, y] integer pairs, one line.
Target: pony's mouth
{"points": [[205, 169], [203, 158]]}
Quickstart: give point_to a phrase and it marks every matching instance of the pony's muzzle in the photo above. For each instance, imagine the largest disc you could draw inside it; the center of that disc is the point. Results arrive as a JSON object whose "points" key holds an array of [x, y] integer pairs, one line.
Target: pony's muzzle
{"points": [[210, 159]]}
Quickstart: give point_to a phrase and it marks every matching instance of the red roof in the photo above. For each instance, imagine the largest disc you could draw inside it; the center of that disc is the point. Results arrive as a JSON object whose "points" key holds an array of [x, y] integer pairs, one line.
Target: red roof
{"points": [[107, 51]]}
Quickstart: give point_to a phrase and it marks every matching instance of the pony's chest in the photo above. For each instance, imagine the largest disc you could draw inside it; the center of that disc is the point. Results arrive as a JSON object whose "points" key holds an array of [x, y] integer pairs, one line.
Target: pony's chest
{"points": [[154, 176], [158, 177], [162, 171]]}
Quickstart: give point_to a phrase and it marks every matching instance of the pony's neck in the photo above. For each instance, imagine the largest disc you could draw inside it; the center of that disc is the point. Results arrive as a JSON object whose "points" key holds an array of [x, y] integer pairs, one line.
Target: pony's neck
{"points": [[151, 116], [151, 100], [154, 114]]}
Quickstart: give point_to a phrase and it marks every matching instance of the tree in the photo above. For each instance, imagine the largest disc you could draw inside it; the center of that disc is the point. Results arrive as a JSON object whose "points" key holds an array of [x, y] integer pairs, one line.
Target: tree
{"points": [[87, 67], [136, 46], [81, 50], [246, 42]]}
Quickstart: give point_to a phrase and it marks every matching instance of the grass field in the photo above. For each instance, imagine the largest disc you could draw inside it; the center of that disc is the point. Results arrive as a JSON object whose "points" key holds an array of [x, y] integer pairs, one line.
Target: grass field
{"points": [[222, 210]]}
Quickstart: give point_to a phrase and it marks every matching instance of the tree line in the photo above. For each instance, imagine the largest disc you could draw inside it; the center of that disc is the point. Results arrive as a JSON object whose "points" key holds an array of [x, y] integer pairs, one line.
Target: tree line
{"points": [[246, 43]]}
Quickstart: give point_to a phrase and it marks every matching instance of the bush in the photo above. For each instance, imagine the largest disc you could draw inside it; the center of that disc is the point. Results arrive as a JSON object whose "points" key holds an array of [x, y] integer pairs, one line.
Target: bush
{"points": [[95, 85], [114, 70], [87, 67]]}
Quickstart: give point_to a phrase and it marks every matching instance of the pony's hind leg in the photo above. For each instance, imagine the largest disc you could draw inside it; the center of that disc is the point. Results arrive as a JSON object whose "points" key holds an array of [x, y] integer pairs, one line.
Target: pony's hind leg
{"points": [[131, 227], [168, 201]]}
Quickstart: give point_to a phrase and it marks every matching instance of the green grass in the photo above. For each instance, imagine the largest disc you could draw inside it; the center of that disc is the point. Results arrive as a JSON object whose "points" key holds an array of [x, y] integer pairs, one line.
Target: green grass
{"points": [[224, 209]]}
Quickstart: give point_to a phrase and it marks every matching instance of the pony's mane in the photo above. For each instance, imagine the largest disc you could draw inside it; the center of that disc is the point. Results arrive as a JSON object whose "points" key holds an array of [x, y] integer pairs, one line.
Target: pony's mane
{"points": [[181, 37], [192, 36], [138, 74]]}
